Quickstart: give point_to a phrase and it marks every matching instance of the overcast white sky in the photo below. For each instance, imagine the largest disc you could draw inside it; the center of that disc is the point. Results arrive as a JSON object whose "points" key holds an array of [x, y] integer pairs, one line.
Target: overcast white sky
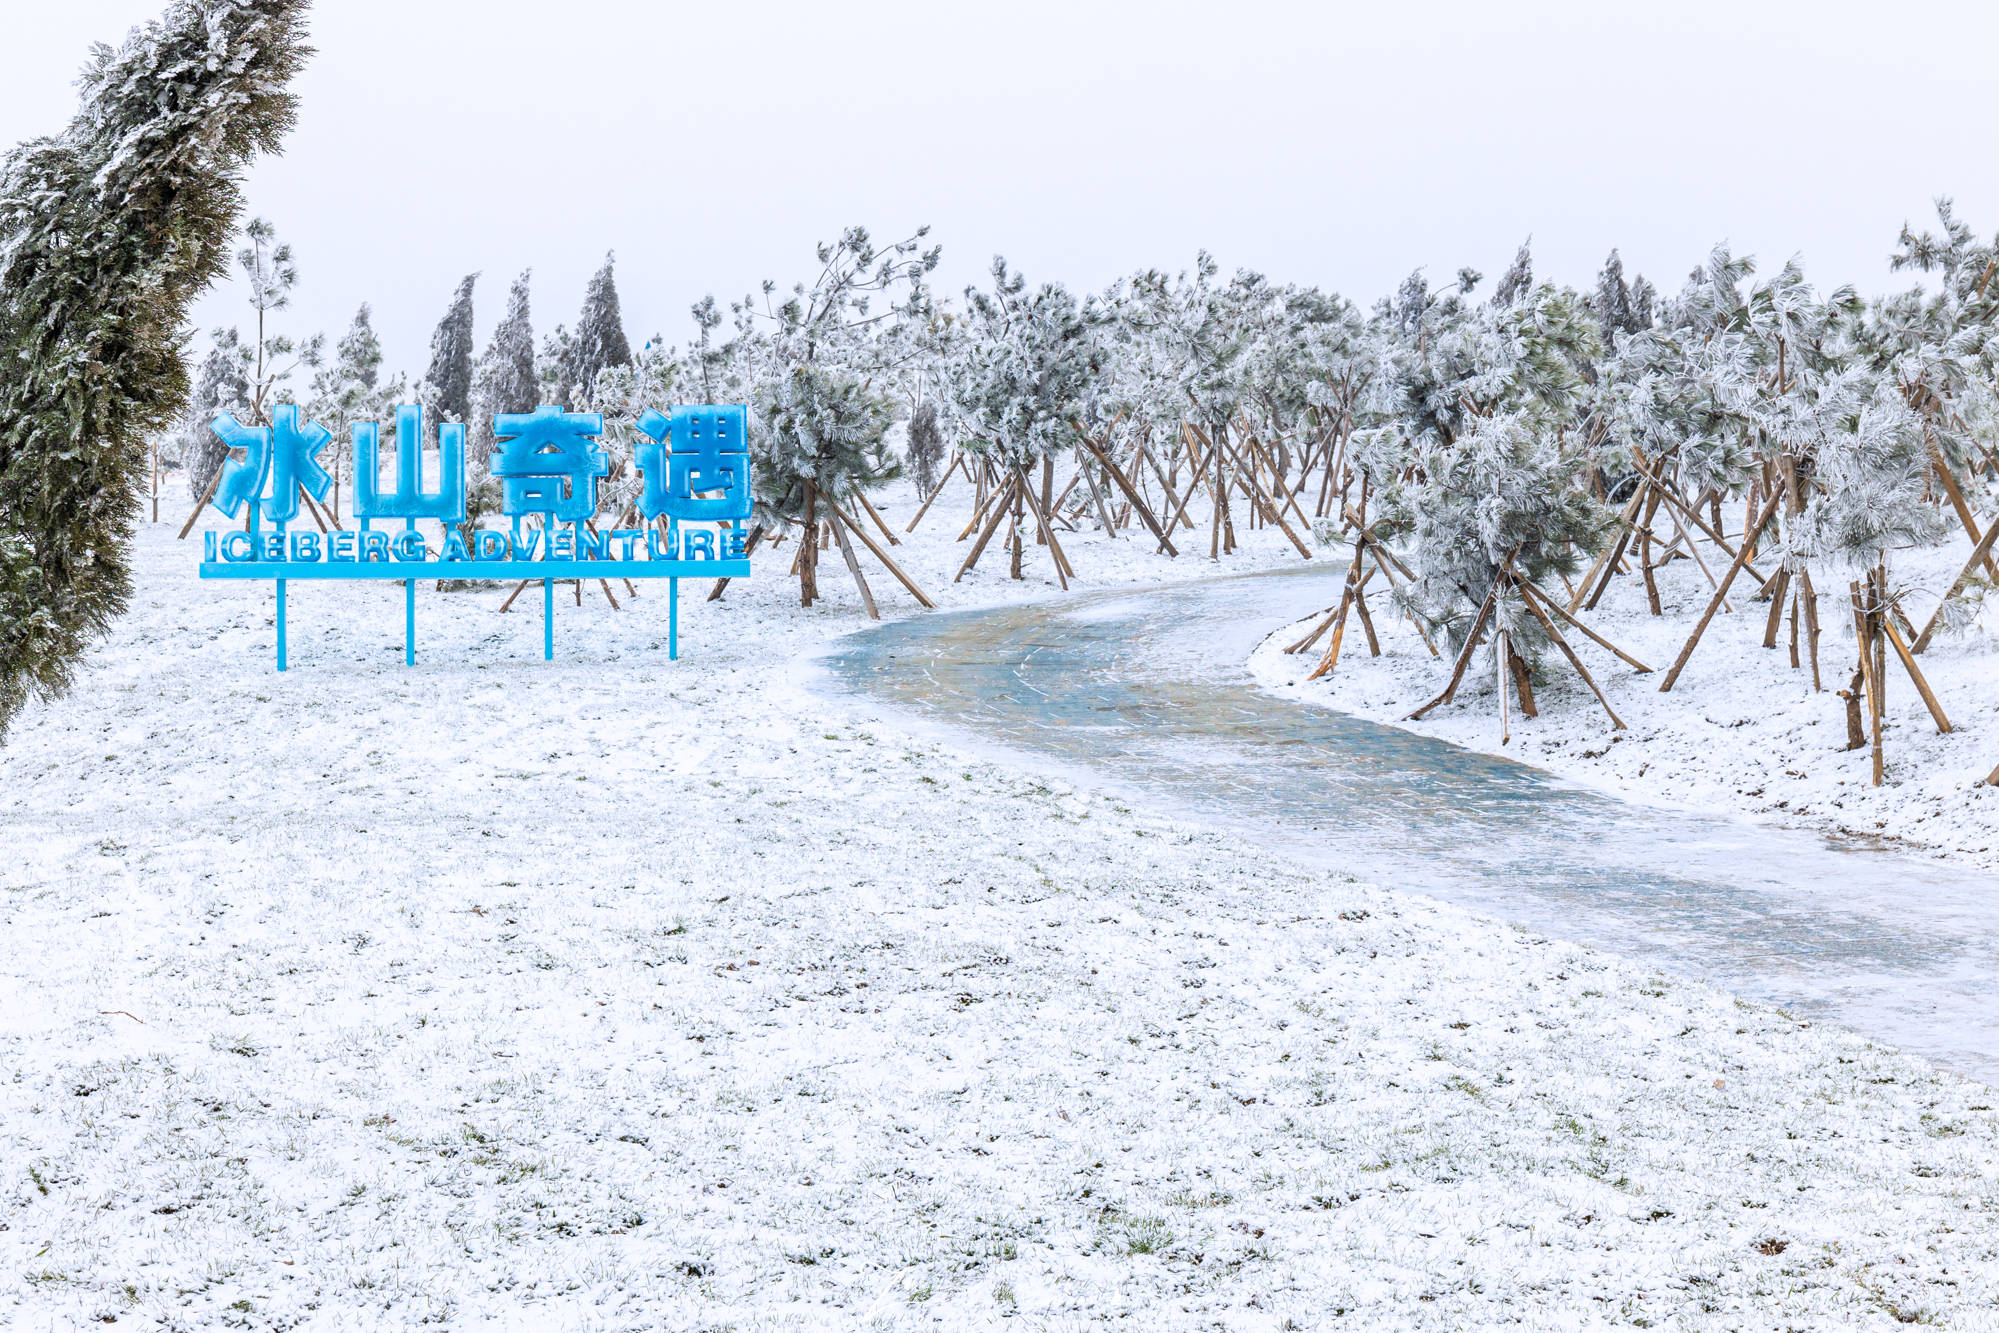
{"points": [[1338, 144]]}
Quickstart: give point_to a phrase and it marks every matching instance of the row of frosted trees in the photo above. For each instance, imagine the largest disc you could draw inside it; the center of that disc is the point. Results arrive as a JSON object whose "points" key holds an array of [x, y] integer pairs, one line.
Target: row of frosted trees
{"points": [[1485, 461]]}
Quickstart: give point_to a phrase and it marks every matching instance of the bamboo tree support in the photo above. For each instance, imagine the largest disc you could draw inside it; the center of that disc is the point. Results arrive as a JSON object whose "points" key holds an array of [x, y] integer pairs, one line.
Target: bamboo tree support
{"points": [[1540, 606], [862, 496], [1624, 536], [854, 568], [1978, 554], [1742, 558], [957, 463], [999, 513], [1908, 658], [1677, 502], [1338, 620], [1606, 557], [1240, 472], [1143, 510], [1957, 503], [1096, 494], [1464, 654], [887, 561], [1064, 571], [756, 535], [991, 497]]}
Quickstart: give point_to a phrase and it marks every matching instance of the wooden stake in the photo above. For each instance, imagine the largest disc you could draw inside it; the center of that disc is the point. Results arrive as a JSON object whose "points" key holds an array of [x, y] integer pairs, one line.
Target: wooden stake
{"points": [[957, 462], [1714, 603], [883, 556], [1978, 554], [854, 566], [1534, 599], [1916, 675], [1464, 655], [998, 517], [862, 496]]}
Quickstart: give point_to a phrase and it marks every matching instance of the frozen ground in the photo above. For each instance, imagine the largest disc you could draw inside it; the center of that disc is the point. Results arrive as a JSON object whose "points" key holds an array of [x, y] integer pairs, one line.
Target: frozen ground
{"points": [[1740, 731], [617, 993]]}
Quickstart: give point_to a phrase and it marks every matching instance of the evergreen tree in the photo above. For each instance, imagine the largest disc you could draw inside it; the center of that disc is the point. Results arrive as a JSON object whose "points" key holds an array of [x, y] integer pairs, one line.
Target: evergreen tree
{"points": [[221, 385], [926, 445], [345, 391], [1025, 373], [108, 230], [270, 273], [600, 335], [447, 385], [1518, 278], [553, 366], [817, 417], [505, 382], [710, 361], [1612, 303]]}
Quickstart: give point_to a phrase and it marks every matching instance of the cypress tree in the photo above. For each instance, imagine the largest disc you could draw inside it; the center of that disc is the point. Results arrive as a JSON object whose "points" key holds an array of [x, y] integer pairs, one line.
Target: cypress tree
{"points": [[600, 334], [108, 230], [447, 385]]}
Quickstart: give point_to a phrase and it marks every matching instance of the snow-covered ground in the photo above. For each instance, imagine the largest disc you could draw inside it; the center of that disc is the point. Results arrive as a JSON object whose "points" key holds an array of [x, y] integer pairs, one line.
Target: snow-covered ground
{"points": [[618, 993], [1740, 731]]}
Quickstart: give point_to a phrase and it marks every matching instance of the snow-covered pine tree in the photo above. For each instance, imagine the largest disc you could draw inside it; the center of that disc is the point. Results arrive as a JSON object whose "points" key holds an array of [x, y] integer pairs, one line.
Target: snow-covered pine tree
{"points": [[552, 367], [1017, 390], [108, 230], [271, 275], [447, 385], [1490, 486], [222, 384], [1612, 302], [600, 336], [345, 390], [926, 445], [506, 382], [818, 415], [709, 361], [1518, 279], [348, 389]]}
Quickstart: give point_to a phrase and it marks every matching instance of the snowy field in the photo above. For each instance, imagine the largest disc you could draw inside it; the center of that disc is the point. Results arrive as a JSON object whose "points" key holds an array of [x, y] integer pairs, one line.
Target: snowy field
{"points": [[617, 993], [1740, 731]]}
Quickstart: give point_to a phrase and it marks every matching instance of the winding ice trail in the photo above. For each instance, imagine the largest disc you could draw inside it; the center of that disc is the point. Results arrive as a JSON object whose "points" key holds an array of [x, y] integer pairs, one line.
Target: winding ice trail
{"points": [[1149, 692]]}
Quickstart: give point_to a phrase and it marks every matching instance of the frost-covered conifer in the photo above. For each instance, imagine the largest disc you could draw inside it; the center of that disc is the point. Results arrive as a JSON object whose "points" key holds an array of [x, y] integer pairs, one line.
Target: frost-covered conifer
{"points": [[553, 364], [1518, 279], [447, 385], [926, 445], [107, 232], [221, 385], [271, 274], [1024, 375], [600, 335], [1612, 303], [1482, 468], [818, 411], [345, 391], [505, 382]]}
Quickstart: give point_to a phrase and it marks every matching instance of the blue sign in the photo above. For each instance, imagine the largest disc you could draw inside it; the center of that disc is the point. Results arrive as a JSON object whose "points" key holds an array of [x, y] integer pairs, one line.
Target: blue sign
{"points": [[694, 466]]}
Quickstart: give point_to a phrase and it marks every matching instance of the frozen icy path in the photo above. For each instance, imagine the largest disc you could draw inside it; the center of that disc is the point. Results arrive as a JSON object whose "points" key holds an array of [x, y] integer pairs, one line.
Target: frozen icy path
{"points": [[1150, 692]]}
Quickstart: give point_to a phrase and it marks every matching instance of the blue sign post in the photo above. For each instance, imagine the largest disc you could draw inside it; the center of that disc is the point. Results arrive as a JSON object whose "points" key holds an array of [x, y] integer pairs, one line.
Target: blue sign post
{"points": [[694, 465]]}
